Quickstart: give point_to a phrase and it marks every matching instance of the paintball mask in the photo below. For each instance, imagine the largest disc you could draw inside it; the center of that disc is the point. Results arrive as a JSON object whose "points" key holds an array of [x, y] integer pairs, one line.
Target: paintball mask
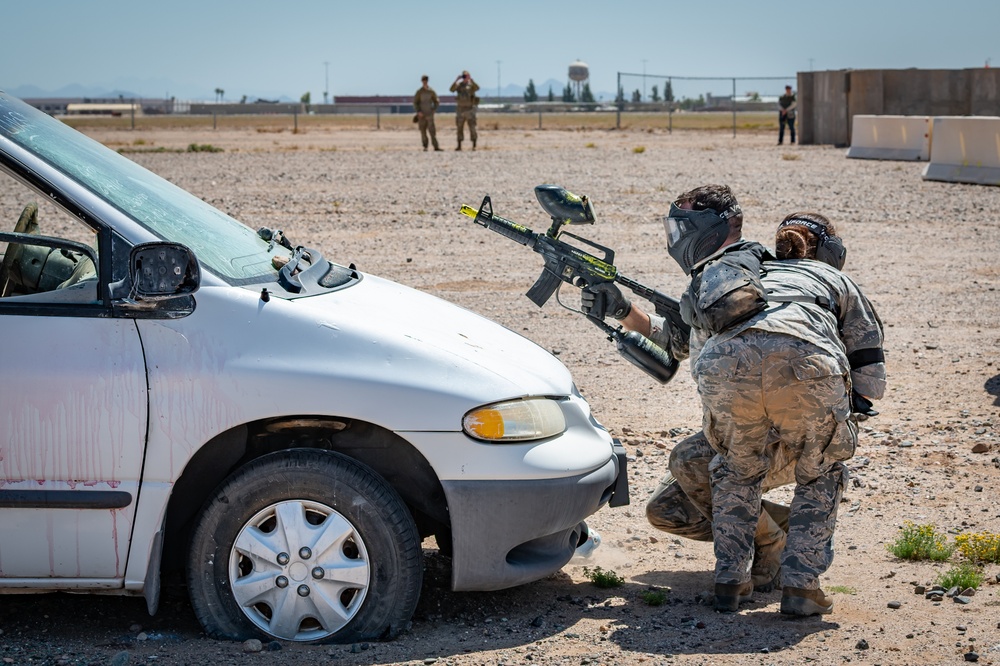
{"points": [[694, 235], [829, 249]]}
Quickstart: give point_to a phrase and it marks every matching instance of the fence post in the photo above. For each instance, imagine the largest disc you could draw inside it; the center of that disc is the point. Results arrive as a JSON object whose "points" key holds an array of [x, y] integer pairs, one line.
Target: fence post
{"points": [[133, 113], [539, 119], [734, 108], [378, 118], [295, 118], [213, 120], [618, 105], [670, 107]]}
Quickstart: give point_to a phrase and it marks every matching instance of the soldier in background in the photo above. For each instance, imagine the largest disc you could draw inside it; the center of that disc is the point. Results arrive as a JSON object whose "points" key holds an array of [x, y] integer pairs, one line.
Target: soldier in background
{"points": [[786, 114], [425, 103], [466, 101]]}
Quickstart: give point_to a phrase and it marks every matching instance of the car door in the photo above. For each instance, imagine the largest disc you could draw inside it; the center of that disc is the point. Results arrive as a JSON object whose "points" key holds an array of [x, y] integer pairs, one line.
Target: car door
{"points": [[73, 410]]}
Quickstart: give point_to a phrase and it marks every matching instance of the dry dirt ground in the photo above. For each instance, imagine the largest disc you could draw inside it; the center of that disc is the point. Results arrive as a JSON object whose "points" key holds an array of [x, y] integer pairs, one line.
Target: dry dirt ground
{"points": [[924, 252]]}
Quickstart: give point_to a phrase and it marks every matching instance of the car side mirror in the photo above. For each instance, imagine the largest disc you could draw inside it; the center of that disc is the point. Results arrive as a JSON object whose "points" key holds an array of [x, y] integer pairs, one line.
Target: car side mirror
{"points": [[162, 270]]}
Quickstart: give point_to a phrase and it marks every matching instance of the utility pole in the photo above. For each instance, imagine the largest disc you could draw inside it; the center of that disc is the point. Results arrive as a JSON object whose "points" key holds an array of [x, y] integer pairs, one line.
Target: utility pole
{"points": [[643, 79], [326, 87]]}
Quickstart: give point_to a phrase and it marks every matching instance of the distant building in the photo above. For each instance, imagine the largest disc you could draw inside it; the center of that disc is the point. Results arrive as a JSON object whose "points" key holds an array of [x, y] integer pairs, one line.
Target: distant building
{"points": [[60, 106], [743, 102], [103, 109]]}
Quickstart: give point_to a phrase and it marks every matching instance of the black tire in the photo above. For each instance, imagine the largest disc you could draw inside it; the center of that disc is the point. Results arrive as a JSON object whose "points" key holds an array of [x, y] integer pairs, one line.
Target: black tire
{"points": [[286, 502]]}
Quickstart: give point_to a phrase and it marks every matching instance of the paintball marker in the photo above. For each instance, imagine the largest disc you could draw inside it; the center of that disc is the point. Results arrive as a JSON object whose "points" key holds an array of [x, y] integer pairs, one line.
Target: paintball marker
{"points": [[565, 263]]}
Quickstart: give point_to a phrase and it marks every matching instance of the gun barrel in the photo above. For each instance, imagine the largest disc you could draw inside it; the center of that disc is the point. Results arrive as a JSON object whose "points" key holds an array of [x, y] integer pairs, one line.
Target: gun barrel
{"points": [[512, 230]]}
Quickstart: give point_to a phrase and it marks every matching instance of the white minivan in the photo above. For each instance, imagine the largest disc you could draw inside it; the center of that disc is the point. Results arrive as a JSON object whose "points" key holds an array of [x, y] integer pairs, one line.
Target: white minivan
{"points": [[180, 391]]}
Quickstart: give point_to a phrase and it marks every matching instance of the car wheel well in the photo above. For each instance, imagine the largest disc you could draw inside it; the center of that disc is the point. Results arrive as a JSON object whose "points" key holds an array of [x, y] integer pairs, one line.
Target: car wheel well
{"points": [[388, 454]]}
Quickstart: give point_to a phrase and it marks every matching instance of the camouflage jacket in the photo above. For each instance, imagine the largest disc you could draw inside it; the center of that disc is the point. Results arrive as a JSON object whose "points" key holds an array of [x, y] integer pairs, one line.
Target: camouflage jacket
{"points": [[846, 326], [425, 100], [465, 94]]}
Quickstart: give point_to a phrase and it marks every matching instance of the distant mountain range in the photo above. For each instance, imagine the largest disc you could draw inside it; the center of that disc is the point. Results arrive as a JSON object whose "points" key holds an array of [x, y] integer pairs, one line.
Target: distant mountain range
{"points": [[76, 91]]}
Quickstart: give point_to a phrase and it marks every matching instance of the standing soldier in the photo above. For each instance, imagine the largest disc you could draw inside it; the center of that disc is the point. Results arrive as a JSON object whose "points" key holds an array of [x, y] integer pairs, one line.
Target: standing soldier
{"points": [[786, 114], [465, 91], [425, 103]]}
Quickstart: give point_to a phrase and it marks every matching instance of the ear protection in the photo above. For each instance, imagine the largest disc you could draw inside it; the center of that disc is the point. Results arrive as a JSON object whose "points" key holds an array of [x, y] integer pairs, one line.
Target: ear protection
{"points": [[829, 249]]}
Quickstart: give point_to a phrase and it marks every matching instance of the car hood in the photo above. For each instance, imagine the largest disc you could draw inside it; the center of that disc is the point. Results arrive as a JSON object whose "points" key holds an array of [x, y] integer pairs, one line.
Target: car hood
{"points": [[427, 342], [376, 351]]}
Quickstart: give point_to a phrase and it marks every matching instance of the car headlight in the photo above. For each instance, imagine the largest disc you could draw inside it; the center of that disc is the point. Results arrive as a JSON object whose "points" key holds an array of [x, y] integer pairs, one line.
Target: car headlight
{"points": [[515, 421]]}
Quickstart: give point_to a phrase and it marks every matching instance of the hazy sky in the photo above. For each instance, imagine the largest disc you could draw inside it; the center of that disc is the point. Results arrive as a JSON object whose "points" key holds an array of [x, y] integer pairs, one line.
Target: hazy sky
{"points": [[188, 48]]}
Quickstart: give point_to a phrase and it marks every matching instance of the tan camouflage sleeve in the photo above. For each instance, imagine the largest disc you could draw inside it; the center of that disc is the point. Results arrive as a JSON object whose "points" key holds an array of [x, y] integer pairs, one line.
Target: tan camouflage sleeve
{"points": [[663, 335], [862, 335]]}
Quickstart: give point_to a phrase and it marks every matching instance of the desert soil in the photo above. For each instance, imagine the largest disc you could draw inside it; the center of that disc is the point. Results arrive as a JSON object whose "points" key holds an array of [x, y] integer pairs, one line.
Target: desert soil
{"points": [[924, 252]]}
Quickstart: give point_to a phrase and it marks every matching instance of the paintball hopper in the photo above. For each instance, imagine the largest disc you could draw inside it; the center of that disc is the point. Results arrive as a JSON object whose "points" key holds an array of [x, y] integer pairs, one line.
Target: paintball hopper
{"points": [[564, 207]]}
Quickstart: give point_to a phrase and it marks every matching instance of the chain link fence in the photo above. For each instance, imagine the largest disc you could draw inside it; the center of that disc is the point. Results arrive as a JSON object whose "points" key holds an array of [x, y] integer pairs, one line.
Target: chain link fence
{"points": [[670, 94]]}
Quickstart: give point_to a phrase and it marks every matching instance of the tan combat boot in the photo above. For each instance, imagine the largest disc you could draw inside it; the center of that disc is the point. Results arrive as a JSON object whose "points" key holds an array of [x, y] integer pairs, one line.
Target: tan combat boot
{"points": [[729, 597], [768, 544], [798, 601]]}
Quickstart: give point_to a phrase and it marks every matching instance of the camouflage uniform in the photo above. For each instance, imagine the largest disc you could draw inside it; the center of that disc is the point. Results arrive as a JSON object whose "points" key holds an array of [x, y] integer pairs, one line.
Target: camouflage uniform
{"points": [[465, 112], [425, 103], [790, 367], [682, 503]]}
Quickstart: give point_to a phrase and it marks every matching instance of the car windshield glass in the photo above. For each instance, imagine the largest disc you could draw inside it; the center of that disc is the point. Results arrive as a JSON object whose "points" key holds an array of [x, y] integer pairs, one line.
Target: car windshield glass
{"points": [[222, 244]]}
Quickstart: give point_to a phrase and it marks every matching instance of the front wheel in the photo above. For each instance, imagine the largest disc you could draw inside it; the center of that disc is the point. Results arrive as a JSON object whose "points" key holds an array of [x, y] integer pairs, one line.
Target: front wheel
{"points": [[305, 545]]}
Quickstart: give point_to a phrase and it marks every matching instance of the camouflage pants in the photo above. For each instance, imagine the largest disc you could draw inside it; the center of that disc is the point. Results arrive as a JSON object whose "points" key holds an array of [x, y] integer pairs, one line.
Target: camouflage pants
{"points": [[426, 125], [749, 384], [682, 503], [463, 117]]}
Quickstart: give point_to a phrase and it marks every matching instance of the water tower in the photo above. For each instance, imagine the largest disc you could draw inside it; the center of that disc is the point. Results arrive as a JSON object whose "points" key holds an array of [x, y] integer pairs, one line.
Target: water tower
{"points": [[578, 74]]}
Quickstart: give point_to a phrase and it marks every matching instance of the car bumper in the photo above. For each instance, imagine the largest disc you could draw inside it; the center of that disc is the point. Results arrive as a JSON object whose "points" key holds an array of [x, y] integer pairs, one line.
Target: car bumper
{"points": [[509, 532]]}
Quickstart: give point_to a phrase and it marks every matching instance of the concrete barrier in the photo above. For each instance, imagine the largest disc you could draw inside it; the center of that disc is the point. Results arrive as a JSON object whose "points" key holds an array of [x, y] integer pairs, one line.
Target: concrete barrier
{"points": [[891, 138], [965, 150]]}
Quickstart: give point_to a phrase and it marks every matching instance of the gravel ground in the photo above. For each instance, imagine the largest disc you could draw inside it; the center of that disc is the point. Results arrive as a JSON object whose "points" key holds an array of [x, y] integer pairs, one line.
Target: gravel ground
{"points": [[924, 252]]}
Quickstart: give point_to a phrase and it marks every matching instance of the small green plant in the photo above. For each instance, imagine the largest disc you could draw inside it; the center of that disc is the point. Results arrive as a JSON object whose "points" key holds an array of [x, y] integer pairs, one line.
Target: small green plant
{"points": [[602, 578], [921, 542], [639, 149], [841, 589], [203, 148], [591, 144], [979, 548], [962, 576], [654, 597]]}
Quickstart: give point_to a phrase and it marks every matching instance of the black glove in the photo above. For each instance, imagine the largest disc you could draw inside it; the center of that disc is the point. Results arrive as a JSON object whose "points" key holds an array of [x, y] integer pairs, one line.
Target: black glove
{"points": [[603, 299], [861, 406]]}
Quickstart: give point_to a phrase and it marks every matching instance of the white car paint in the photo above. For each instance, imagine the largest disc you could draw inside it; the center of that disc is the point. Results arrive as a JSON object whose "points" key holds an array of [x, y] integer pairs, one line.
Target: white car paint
{"points": [[72, 415]]}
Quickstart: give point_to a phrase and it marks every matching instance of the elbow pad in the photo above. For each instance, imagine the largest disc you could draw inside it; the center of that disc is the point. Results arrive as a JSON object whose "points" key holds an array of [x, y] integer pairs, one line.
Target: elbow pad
{"points": [[862, 357]]}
